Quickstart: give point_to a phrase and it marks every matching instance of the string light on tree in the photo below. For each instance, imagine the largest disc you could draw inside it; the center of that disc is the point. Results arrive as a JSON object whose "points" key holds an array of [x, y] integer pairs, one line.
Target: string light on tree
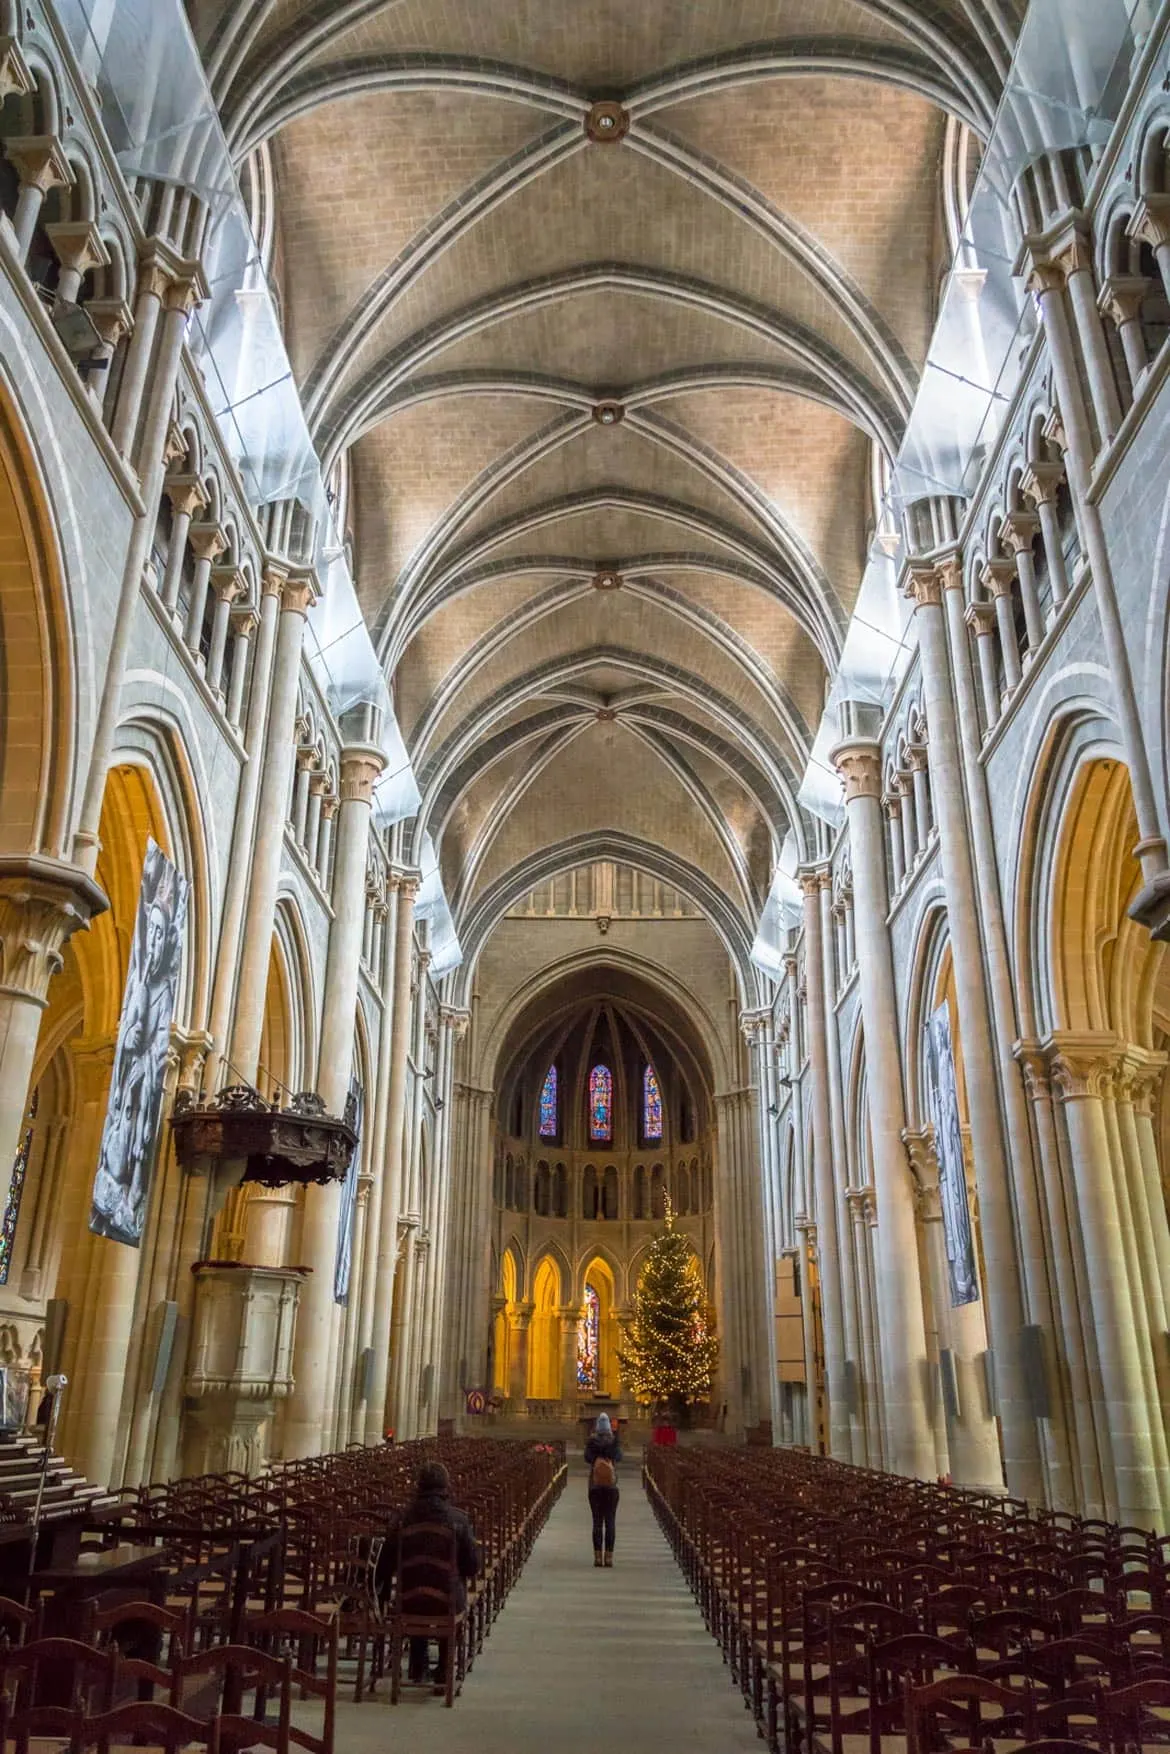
{"points": [[672, 1346]]}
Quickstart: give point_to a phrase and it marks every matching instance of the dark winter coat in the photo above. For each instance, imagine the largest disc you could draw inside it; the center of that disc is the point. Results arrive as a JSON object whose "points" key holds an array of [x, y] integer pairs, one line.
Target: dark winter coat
{"points": [[603, 1446], [429, 1507]]}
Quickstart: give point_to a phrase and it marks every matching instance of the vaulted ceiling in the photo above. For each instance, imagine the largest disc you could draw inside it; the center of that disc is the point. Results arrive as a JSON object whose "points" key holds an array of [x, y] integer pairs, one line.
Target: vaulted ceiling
{"points": [[604, 308]]}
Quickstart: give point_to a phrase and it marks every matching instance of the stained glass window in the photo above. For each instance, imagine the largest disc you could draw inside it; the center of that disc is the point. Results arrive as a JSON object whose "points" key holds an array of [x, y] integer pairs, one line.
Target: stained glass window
{"points": [[588, 1338], [651, 1105], [549, 1118], [16, 1189], [601, 1103]]}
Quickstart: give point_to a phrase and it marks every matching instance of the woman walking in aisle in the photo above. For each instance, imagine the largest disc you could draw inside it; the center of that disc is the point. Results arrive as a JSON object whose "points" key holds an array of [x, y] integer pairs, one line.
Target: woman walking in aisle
{"points": [[603, 1452]]}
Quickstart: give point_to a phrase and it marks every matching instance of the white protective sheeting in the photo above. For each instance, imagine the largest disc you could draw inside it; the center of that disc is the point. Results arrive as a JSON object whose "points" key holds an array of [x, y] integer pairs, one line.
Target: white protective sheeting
{"points": [[1066, 83], [143, 62], [431, 904]]}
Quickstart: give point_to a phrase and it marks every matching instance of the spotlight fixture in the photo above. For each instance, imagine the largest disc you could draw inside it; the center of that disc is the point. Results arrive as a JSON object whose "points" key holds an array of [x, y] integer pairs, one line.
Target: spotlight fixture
{"points": [[607, 581], [608, 413], [606, 122]]}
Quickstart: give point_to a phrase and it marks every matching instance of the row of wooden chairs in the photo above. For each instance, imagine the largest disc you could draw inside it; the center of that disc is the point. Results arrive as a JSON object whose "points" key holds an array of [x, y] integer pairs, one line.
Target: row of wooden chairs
{"points": [[837, 1595]]}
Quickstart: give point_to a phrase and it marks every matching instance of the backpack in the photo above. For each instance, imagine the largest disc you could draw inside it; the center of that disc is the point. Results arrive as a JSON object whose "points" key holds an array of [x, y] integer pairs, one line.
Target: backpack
{"points": [[602, 1472]]}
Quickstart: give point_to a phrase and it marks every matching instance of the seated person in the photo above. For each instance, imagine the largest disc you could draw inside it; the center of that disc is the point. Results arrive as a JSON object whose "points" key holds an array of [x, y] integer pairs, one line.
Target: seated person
{"points": [[431, 1504]]}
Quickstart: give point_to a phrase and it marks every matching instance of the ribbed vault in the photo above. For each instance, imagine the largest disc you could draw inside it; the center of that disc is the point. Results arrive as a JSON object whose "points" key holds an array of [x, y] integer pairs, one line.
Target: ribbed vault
{"points": [[606, 412]]}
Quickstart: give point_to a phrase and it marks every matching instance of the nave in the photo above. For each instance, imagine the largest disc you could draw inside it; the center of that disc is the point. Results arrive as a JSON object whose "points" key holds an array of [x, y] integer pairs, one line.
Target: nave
{"points": [[579, 1660]]}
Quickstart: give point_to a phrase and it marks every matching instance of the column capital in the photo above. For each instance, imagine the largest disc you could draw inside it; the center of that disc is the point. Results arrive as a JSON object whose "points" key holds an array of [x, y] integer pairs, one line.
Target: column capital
{"points": [[1139, 1077], [754, 1025], [456, 1019], [228, 583], [1121, 297], [926, 580], [1048, 258], [244, 622], [1082, 1064], [998, 577], [186, 493], [187, 289], [858, 760], [111, 317], [318, 780], [191, 1047], [360, 766], [208, 540], [1033, 1063], [273, 580], [40, 161], [980, 618], [1018, 530], [78, 244], [1041, 481], [16, 78], [298, 591], [42, 903], [1149, 222]]}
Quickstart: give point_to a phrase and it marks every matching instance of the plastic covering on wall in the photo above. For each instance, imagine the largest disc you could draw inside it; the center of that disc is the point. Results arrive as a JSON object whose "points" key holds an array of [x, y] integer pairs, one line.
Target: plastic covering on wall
{"points": [[1067, 81], [158, 113], [431, 904]]}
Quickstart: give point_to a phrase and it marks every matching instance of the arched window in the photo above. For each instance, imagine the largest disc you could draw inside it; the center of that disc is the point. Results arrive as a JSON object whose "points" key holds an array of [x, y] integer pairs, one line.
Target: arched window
{"points": [[549, 1111], [651, 1107], [588, 1339], [601, 1103]]}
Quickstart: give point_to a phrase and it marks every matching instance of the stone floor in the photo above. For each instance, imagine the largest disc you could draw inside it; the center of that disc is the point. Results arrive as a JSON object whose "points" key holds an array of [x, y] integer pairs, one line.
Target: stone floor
{"points": [[580, 1660]]}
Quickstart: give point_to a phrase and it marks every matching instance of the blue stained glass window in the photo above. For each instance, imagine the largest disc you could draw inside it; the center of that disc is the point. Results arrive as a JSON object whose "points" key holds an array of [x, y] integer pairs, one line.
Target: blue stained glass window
{"points": [[549, 1118], [651, 1105], [588, 1339], [16, 1189], [601, 1103]]}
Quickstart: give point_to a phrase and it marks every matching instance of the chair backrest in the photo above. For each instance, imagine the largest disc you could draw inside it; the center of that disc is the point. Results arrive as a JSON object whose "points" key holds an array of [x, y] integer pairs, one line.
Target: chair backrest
{"points": [[428, 1577], [958, 1701], [163, 1726], [89, 1671]]}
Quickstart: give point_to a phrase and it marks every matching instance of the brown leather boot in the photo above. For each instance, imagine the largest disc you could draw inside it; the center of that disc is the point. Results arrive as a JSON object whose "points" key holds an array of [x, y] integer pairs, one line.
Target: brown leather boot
{"points": [[597, 1556], [609, 1557]]}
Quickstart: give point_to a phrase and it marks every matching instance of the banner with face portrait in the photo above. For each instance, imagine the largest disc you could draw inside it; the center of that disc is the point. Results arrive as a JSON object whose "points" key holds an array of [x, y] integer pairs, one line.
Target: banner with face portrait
{"points": [[343, 1257], [130, 1136], [948, 1143]]}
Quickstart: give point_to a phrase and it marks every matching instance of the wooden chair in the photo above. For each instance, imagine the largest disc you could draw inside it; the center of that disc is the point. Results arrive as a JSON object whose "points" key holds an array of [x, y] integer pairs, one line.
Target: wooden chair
{"points": [[426, 1591], [966, 1705], [910, 1658], [1137, 1716], [289, 1630], [151, 1721]]}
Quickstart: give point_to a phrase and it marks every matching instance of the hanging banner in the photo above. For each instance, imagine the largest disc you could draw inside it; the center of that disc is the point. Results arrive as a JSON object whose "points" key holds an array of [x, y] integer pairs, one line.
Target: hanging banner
{"points": [[343, 1260], [948, 1144], [126, 1160]]}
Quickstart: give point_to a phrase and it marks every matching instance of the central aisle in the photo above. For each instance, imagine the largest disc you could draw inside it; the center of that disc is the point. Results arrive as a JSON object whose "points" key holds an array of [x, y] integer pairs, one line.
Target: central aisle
{"points": [[580, 1660]]}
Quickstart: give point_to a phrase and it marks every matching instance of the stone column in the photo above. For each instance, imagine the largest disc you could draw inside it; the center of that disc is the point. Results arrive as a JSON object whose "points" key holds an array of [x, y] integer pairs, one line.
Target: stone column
{"points": [[1086, 1492], [981, 619], [208, 542], [42, 903], [297, 593], [761, 1197], [1121, 299], [41, 165], [307, 1419], [832, 1224], [972, 1435], [1082, 1071], [521, 1320], [570, 1320], [1019, 529], [1052, 262], [859, 1205], [78, 247], [391, 1167], [228, 584], [1004, 1279], [187, 495], [184, 289], [998, 577], [92, 1065], [903, 1329], [825, 1171], [806, 1234], [363, 1342], [243, 626], [1040, 484]]}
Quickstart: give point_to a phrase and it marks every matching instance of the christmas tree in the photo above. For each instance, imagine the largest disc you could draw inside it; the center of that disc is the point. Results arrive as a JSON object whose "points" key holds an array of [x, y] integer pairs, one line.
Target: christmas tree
{"points": [[671, 1350]]}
